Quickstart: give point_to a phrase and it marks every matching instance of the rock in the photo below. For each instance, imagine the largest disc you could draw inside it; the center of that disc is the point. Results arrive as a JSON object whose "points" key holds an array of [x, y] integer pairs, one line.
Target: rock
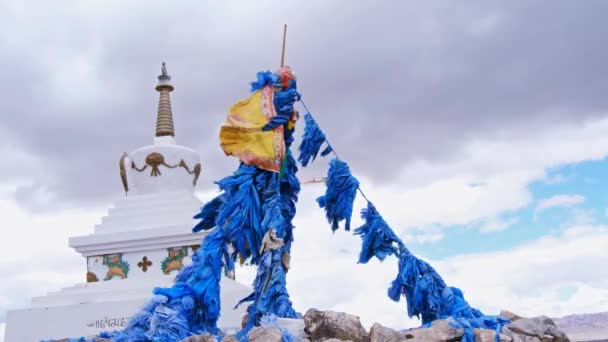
{"points": [[509, 315], [517, 337], [336, 340], [322, 325], [543, 328], [294, 325], [379, 333], [265, 334], [244, 320], [440, 330], [200, 338], [486, 335], [230, 338]]}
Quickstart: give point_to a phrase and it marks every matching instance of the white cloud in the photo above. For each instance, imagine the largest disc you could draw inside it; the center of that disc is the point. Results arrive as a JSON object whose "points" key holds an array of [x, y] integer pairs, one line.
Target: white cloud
{"points": [[2, 330], [497, 224], [424, 235], [580, 216], [486, 179], [526, 279], [558, 201], [556, 179]]}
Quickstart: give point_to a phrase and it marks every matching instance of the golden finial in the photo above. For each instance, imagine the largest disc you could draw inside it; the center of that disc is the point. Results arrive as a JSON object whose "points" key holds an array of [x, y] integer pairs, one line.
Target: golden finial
{"points": [[164, 119]]}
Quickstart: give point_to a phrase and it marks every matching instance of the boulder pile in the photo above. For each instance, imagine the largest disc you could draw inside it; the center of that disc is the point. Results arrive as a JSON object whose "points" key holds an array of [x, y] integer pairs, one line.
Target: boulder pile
{"points": [[331, 326]]}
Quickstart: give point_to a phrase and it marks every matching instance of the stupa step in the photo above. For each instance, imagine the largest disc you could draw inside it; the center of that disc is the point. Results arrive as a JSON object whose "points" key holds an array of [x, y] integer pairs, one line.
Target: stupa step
{"points": [[153, 223], [185, 210], [155, 199], [184, 205], [176, 203], [85, 298], [137, 240], [112, 286], [151, 217]]}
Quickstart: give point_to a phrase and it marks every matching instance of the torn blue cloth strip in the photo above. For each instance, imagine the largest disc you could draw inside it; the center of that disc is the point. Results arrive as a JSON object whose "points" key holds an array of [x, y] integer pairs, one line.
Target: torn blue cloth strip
{"points": [[379, 239], [340, 194], [312, 140]]}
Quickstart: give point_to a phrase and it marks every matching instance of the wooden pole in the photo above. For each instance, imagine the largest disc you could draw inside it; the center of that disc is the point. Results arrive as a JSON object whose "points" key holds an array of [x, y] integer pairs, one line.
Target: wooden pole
{"points": [[283, 50]]}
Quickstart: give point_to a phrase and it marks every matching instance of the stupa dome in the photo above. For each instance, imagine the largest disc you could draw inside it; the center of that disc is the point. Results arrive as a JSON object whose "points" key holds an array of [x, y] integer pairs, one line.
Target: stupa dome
{"points": [[163, 166]]}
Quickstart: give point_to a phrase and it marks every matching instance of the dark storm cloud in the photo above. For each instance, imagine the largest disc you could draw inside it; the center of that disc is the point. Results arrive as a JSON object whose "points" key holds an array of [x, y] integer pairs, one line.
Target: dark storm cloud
{"points": [[390, 82]]}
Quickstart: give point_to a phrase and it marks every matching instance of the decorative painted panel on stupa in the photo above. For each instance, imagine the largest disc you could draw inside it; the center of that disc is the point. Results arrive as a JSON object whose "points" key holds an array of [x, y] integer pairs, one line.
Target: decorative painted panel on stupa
{"points": [[141, 264]]}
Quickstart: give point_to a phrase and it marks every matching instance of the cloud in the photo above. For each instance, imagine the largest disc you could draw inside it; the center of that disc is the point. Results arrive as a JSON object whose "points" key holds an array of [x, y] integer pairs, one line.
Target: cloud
{"points": [[423, 89], [497, 224], [557, 201], [529, 278]]}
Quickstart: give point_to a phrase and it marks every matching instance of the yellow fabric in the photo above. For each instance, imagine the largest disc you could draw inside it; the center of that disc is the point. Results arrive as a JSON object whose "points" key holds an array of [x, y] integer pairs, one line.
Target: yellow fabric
{"points": [[241, 133]]}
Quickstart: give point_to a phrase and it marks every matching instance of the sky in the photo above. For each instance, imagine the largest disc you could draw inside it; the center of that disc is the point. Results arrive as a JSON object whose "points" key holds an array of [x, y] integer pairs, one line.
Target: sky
{"points": [[478, 129]]}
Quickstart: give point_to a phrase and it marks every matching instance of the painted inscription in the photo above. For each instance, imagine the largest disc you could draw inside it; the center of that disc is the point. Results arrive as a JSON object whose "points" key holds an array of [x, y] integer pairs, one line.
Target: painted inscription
{"points": [[105, 323]]}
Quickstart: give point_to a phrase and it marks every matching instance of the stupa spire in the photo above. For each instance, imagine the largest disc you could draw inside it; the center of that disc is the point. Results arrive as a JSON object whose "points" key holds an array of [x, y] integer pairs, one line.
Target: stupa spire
{"points": [[164, 119]]}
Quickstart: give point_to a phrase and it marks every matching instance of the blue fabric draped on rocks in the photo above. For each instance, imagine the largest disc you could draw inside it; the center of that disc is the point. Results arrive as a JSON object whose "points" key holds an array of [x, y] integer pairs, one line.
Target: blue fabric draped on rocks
{"points": [[270, 293], [340, 194], [427, 295], [312, 141], [278, 209]]}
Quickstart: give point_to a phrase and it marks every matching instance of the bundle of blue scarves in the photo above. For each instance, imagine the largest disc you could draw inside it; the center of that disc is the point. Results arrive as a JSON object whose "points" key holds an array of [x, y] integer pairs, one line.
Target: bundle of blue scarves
{"points": [[426, 294]]}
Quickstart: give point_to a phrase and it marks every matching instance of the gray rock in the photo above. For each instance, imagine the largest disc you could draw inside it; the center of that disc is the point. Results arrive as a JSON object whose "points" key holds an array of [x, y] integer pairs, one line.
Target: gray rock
{"points": [[336, 340], [543, 328], [486, 335], [322, 325], [230, 338], [265, 334], [244, 320], [510, 315], [379, 333], [200, 338], [440, 330], [517, 337]]}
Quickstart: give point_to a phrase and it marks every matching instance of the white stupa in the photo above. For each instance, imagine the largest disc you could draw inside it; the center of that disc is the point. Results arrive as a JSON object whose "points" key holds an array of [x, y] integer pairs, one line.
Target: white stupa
{"points": [[143, 241]]}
